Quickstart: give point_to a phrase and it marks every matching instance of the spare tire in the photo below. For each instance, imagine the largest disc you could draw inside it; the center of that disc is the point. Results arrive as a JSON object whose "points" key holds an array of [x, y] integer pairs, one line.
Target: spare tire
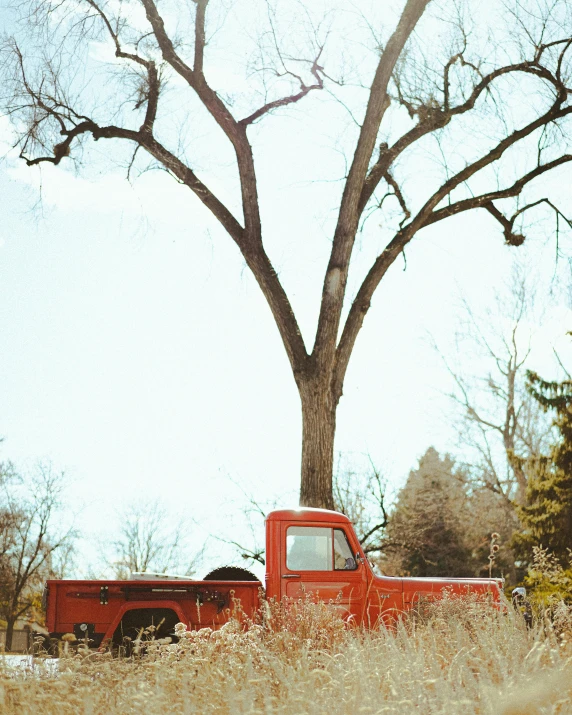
{"points": [[230, 573]]}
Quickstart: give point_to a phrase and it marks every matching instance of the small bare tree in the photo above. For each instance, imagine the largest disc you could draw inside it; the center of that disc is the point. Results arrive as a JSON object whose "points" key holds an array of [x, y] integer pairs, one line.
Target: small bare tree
{"points": [[251, 547], [501, 425], [439, 84], [151, 538], [8, 520], [32, 541], [362, 498]]}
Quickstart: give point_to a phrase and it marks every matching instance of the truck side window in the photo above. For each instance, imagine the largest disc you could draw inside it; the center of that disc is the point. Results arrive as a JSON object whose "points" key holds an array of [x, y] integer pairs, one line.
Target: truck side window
{"points": [[309, 548], [343, 557]]}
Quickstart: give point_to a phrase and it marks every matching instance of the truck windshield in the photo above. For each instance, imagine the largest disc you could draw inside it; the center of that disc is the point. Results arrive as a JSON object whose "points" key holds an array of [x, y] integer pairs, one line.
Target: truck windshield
{"points": [[314, 548]]}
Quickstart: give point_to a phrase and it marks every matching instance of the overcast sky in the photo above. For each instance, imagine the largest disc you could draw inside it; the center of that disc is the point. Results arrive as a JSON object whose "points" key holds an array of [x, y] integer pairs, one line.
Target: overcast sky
{"points": [[138, 354]]}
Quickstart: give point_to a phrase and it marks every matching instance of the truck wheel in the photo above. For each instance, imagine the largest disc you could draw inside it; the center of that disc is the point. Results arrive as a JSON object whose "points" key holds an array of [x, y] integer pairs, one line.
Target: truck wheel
{"points": [[230, 573], [136, 621]]}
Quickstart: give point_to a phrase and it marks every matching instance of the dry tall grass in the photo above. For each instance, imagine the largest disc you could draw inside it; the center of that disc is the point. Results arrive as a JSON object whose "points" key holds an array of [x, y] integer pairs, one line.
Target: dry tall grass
{"points": [[453, 658]]}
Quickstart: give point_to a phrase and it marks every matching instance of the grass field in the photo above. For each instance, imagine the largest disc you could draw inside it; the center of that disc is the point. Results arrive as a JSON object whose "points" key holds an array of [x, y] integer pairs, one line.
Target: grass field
{"points": [[455, 658]]}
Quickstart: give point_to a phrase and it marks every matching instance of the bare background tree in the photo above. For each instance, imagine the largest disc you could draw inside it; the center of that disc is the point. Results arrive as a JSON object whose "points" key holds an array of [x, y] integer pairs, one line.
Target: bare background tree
{"points": [[359, 493], [502, 430], [34, 544], [501, 426], [362, 497], [151, 538], [435, 129]]}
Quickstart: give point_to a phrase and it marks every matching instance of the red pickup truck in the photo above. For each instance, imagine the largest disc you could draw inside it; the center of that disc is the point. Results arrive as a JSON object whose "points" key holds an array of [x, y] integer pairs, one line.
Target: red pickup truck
{"points": [[307, 551]]}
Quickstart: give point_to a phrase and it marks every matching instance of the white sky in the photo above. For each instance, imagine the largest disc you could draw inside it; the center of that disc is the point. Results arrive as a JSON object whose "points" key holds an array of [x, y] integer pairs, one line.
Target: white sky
{"points": [[138, 354]]}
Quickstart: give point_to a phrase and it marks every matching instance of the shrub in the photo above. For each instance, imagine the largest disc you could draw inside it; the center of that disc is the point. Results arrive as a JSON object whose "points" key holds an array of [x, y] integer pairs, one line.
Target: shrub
{"points": [[549, 582]]}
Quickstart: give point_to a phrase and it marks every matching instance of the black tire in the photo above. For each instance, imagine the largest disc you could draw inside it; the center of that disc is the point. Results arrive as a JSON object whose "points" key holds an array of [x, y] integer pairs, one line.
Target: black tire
{"points": [[164, 619], [44, 645], [230, 573]]}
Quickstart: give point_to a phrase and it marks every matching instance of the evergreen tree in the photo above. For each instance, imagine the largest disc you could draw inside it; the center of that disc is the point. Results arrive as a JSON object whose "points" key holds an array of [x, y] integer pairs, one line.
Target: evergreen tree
{"points": [[547, 515], [427, 527]]}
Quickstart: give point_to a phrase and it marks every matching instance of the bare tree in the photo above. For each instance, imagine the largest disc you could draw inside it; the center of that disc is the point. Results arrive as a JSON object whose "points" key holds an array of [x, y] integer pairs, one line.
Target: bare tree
{"points": [[251, 547], [362, 498], [453, 101], [151, 538], [8, 519], [32, 541], [501, 425]]}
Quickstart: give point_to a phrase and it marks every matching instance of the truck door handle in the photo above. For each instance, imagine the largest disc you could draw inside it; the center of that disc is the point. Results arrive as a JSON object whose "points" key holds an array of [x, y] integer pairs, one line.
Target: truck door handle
{"points": [[290, 575]]}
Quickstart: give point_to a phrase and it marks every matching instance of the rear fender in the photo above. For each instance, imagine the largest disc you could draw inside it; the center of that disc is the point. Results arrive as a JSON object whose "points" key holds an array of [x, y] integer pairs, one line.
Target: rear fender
{"points": [[173, 605]]}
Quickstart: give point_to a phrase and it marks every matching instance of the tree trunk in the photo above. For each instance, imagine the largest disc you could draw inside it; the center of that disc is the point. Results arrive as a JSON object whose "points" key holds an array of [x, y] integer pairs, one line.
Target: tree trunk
{"points": [[9, 633], [318, 430]]}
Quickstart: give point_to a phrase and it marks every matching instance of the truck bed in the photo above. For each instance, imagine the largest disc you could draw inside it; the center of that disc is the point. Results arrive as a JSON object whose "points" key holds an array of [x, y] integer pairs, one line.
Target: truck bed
{"points": [[112, 610]]}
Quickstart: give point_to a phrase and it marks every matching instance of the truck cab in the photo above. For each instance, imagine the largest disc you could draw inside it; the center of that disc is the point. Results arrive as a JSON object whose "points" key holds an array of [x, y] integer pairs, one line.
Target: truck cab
{"points": [[317, 551]]}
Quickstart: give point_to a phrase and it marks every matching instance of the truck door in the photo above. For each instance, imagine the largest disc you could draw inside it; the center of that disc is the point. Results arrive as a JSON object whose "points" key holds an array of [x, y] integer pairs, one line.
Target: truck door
{"points": [[320, 559]]}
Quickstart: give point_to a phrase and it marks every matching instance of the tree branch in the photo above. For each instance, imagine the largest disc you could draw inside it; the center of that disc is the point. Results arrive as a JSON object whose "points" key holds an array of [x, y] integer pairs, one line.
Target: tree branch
{"points": [[348, 217], [251, 236], [305, 89], [152, 95], [389, 178], [245, 553], [252, 250], [200, 37], [182, 172], [234, 131], [485, 201], [432, 118], [186, 176], [428, 215]]}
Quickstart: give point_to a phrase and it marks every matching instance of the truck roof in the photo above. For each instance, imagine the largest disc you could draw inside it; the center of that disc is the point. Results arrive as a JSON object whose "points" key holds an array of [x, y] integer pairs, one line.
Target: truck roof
{"points": [[307, 514]]}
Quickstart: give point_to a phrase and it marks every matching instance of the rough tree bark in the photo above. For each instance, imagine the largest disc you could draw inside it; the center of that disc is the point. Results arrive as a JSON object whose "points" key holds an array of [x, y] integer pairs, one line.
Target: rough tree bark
{"points": [[319, 406], [40, 108]]}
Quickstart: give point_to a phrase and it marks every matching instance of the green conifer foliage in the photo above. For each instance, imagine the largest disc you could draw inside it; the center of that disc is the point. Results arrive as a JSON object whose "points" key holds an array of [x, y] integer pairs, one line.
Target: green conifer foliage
{"points": [[547, 515]]}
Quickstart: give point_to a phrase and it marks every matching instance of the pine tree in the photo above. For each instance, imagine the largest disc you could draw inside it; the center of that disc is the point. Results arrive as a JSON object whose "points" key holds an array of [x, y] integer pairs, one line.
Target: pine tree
{"points": [[547, 516], [426, 528]]}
